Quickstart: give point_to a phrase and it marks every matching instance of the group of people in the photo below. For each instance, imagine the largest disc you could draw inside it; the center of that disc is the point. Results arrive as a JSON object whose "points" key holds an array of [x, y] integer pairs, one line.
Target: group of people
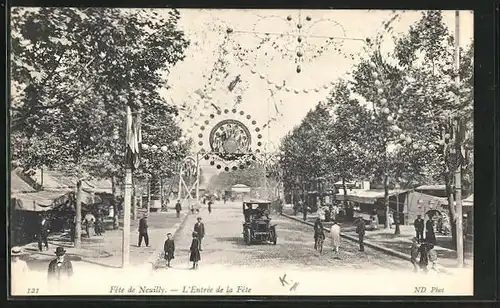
{"points": [[60, 269], [195, 248], [334, 234]]}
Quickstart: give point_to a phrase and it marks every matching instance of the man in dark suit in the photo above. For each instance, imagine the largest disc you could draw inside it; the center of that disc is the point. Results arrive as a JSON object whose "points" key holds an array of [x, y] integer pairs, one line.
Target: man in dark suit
{"points": [[43, 233], [199, 228], [419, 228], [143, 231], [360, 230], [60, 269]]}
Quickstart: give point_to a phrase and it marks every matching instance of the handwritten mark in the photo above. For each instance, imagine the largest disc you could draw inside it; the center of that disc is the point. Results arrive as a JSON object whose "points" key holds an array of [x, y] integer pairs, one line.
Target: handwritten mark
{"points": [[285, 282]]}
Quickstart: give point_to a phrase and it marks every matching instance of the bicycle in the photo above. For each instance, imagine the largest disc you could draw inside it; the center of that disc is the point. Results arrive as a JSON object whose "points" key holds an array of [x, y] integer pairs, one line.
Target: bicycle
{"points": [[319, 242]]}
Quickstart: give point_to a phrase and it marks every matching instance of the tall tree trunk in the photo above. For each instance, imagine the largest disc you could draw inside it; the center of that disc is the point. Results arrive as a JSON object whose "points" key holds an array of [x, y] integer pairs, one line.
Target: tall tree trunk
{"points": [[344, 202], [386, 201], [78, 215], [451, 209], [114, 202]]}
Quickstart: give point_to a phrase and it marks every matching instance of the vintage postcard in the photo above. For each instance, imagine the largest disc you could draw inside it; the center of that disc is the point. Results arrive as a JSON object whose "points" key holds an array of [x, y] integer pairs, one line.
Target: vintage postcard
{"points": [[241, 152]]}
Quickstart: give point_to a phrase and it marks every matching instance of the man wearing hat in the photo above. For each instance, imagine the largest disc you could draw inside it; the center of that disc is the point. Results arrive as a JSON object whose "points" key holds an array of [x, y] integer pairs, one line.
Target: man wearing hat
{"points": [[199, 228], [143, 231], [19, 270], [18, 265], [60, 269]]}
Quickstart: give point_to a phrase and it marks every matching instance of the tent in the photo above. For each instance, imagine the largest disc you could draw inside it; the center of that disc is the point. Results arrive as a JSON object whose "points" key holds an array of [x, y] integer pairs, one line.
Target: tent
{"points": [[42, 201], [240, 188], [18, 185]]}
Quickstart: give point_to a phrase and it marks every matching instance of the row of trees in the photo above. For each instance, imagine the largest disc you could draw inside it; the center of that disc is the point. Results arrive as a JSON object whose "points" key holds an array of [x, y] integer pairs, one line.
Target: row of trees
{"points": [[393, 122], [74, 71]]}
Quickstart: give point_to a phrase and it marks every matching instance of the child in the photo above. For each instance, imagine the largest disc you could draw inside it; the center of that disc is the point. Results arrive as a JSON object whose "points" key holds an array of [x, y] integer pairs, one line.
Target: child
{"points": [[195, 251], [433, 258], [169, 248], [414, 250], [424, 256]]}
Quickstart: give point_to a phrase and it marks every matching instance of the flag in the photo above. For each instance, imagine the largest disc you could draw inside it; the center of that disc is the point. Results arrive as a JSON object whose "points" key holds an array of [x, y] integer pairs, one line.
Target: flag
{"points": [[134, 139]]}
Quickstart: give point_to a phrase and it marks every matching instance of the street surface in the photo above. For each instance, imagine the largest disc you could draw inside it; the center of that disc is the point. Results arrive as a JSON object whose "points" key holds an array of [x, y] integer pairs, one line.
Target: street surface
{"points": [[224, 245], [229, 267]]}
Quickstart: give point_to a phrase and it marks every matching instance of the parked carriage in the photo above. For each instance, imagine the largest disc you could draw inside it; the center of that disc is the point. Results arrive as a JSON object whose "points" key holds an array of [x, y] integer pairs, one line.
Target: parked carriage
{"points": [[257, 227]]}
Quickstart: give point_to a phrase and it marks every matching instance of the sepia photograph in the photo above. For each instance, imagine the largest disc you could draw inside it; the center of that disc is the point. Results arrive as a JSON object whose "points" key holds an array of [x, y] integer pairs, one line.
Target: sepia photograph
{"points": [[241, 152]]}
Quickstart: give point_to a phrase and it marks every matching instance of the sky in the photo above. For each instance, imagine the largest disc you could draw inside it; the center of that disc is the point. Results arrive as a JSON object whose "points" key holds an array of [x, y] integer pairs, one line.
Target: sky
{"points": [[259, 73]]}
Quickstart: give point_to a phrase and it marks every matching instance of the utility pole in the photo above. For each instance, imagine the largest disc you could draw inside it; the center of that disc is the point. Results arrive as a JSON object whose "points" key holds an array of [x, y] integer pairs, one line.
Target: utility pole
{"points": [[458, 145], [127, 196]]}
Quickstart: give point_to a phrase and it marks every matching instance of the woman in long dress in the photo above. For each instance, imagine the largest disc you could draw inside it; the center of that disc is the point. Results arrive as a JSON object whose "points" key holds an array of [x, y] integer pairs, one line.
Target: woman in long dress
{"points": [[335, 235], [194, 250]]}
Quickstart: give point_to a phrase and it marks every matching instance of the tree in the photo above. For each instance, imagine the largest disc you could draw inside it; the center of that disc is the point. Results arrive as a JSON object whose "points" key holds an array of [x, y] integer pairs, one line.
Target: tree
{"points": [[427, 52], [74, 71], [348, 137]]}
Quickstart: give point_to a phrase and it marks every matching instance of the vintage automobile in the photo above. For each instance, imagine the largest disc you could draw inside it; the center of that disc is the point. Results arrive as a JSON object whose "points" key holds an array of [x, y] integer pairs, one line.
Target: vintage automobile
{"points": [[257, 227]]}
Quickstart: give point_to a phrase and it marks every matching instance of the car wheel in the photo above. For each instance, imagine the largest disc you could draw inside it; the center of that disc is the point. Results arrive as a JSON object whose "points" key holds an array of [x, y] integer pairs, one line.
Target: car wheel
{"points": [[248, 237]]}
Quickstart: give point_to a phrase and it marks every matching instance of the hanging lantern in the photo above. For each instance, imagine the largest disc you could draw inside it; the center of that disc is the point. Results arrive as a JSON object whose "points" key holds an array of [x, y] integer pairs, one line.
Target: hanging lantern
{"points": [[375, 75], [424, 148], [325, 86], [278, 86], [431, 147], [299, 54], [390, 119], [378, 83], [400, 111], [164, 149], [402, 137], [316, 90], [306, 91], [383, 101], [447, 136], [299, 69], [175, 143], [372, 117], [253, 71], [415, 146], [296, 91], [270, 82], [262, 76], [287, 89], [380, 90], [408, 140], [386, 110], [145, 146], [154, 147]]}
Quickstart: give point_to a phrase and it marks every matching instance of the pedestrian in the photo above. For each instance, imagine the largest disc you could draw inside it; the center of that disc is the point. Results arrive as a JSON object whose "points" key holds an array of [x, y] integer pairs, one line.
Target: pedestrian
{"points": [[430, 236], [194, 251], [414, 251], [88, 221], [335, 235], [304, 211], [360, 230], [199, 228], [318, 232], [418, 224], [19, 270], [209, 206], [143, 231], [178, 208], [99, 224], [169, 248], [43, 233], [424, 256], [433, 259], [391, 220], [192, 208], [60, 269]]}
